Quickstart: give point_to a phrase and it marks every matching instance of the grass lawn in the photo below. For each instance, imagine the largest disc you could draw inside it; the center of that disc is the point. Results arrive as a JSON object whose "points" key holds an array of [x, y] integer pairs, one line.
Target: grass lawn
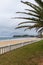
{"points": [[31, 54]]}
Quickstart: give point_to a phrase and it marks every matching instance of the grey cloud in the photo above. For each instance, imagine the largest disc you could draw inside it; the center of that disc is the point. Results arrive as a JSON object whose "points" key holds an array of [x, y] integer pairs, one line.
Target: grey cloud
{"points": [[8, 10]]}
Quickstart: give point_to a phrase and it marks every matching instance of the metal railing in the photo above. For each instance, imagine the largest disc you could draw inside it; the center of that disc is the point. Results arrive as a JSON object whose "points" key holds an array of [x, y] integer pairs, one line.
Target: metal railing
{"points": [[8, 48]]}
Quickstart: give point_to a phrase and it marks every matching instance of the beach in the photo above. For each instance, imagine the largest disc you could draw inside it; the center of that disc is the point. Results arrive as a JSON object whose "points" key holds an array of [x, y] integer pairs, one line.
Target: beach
{"points": [[16, 41], [8, 45]]}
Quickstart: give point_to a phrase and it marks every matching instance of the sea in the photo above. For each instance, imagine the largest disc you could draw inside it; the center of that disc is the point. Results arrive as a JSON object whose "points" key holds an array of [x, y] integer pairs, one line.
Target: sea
{"points": [[12, 38]]}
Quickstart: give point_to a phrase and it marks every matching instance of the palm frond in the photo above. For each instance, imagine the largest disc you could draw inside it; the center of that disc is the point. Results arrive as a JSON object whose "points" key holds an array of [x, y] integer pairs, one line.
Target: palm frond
{"points": [[41, 29], [32, 5], [21, 27], [34, 26], [29, 14], [36, 16], [39, 2], [33, 19], [27, 22], [33, 11]]}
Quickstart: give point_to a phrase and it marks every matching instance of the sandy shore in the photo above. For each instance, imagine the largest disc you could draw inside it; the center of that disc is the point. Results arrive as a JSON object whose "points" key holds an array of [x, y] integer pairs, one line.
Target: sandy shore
{"points": [[11, 42]]}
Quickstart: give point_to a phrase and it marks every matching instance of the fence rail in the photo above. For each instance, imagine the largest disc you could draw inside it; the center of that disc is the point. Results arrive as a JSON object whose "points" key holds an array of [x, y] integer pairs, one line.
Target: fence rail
{"points": [[8, 48]]}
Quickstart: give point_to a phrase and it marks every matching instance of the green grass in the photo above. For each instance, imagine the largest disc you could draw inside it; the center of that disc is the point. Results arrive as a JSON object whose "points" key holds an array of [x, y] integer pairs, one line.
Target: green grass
{"points": [[31, 54]]}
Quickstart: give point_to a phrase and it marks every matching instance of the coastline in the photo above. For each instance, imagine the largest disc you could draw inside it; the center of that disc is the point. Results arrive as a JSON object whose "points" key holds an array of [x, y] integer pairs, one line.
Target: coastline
{"points": [[8, 45], [16, 41]]}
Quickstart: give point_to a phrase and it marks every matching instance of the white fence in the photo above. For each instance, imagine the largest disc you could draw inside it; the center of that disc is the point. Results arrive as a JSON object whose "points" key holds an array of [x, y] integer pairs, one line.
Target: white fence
{"points": [[8, 48]]}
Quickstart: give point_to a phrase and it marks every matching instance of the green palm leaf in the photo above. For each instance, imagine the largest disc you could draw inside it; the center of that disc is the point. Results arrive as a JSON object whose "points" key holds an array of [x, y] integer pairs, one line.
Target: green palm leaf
{"points": [[27, 22], [32, 6], [33, 19], [39, 2], [36, 14], [33, 11], [28, 14]]}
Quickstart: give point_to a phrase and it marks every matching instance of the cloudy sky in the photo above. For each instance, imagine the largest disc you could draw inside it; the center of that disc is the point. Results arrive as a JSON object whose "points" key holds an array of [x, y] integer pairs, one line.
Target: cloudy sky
{"points": [[8, 10]]}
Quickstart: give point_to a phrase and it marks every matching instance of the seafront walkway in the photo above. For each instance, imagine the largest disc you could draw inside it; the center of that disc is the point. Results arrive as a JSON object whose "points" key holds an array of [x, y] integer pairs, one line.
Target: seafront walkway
{"points": [[6, 46]]}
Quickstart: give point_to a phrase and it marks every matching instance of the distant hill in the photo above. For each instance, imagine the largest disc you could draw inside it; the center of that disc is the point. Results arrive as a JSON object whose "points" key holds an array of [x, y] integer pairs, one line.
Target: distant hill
{"points": [[23, 36]]}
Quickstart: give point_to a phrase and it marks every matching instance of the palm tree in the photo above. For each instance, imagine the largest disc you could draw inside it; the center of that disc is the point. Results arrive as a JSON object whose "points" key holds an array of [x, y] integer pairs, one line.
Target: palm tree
{"points": [[36, 16]]}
